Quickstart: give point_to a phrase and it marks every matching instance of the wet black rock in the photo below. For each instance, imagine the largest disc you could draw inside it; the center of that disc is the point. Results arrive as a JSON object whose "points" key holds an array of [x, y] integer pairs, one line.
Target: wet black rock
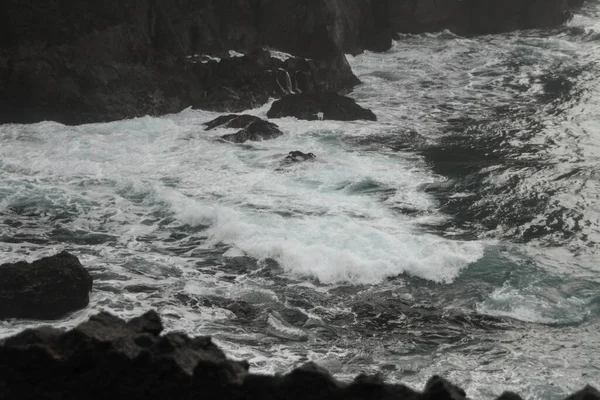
{"points": [[234, 84], [320, 106], [439, 388], [255, 132], [89, 61], [587, 393], [106, 357], [298, 156], [46, 289], [253, 128], [231, 121]]}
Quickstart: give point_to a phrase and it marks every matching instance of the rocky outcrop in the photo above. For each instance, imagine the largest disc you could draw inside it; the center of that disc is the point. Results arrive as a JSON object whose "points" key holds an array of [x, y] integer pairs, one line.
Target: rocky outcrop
{"points": [[298, 156], [77, 62], [85, 62], [106, 357], [253, 128], [256, 132], [320, 106], [239, 83], [46, 289]]}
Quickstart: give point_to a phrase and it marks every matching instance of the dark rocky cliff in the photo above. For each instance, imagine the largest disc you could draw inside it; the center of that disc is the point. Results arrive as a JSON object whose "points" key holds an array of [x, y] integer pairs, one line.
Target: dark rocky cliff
{"points": [[87, 61]]}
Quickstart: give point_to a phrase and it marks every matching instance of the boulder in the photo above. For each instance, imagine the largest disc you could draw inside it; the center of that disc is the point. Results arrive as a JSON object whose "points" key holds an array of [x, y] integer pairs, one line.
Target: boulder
{"points": [[326, 106], [253, 128], [298, 156], [257, 132], [231, 121], [46, 289]]}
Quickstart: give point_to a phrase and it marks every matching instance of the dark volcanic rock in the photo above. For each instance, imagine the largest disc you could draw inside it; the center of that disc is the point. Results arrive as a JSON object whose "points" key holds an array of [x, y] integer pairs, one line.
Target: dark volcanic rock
{"points": [[257, 131], [86, 62], [77, 62], [239, 83], [231, 121], [48, 288], [320, 106], [587, 393], [107, 357], [253, 128], [298, 156]]}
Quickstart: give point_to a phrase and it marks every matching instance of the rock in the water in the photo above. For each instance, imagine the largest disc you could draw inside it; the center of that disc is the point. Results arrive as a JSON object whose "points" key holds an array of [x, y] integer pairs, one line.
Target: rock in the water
{"points": [[108, 357], [48, 288], [587, 393], [438, 388], [256, 132], [298, 156], [238, 83], [231, 121], [326, 106], [253, 128]]}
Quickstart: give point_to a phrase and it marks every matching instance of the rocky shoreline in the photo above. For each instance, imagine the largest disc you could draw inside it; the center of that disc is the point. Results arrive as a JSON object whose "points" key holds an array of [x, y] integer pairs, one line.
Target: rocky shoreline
{"points": [[88, 62], [107, 356]]}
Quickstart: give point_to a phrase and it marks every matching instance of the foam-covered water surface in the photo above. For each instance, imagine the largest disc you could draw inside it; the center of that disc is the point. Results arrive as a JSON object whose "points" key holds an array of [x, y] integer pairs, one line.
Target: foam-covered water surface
{"points": [[457, 235]]}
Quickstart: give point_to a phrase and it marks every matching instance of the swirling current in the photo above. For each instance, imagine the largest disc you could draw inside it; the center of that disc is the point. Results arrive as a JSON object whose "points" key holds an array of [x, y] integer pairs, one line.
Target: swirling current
{"points": [[458, 235]]}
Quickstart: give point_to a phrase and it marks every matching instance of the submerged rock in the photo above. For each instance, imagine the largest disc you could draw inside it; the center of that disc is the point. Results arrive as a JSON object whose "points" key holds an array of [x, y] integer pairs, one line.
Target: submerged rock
{"points": [[48, 288], [320, 106], [254, 128], [106, 357]]}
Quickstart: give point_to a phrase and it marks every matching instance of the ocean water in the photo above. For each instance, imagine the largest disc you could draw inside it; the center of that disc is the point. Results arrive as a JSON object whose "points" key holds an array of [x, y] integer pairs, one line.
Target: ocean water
{"points": [[458, 235]]}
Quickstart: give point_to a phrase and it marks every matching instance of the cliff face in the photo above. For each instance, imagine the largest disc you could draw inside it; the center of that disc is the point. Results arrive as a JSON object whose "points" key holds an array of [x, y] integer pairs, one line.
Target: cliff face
{"points": [[84, 61], [472, 17]]}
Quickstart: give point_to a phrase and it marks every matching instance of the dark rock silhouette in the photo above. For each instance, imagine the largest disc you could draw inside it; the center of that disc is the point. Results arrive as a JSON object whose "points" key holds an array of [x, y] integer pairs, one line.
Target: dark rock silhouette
{"points": [[252, 128], [319, 106], [107, 357], [257, 131], [239, 83], [298, 156], [48, 288], [231, 121], [88, 61]]}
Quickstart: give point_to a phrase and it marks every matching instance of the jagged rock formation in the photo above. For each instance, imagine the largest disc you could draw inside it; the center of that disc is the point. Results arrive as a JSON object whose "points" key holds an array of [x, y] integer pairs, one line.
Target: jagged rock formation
{"points": [[320, 106], [48, 288], [107, 357], [252, 128], [77, 62], [298, 156]]}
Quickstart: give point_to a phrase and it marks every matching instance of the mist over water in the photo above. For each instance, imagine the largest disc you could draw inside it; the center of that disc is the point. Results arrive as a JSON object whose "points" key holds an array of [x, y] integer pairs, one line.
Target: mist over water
{"points": [[457, 235]]}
